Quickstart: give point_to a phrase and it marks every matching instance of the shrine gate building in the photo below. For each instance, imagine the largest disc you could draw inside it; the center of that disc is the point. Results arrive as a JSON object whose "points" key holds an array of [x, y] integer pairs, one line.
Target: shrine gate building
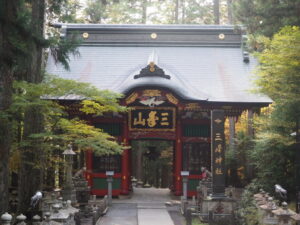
{"points": [[172, 77]]}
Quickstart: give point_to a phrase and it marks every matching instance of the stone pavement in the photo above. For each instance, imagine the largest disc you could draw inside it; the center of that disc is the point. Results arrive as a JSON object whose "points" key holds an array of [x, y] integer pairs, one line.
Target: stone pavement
{"points": [[146, 206]]}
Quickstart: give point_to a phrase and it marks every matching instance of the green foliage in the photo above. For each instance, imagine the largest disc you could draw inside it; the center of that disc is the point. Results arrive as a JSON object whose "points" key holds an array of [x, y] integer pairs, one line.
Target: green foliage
{"points": [[99, 101], [58, 129], [124, 12], [69, 12], [274, 154], [62, 49], [267, 17], [238, 159], [157, 161], [199, 12], [278, 74], [95, 11], [247, 210], [86, 137], [21, 37], [158, 11]]}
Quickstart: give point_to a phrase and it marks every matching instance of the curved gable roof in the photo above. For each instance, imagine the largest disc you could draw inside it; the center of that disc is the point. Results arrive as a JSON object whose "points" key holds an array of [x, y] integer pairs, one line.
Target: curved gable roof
{"points": [[201, 65]]}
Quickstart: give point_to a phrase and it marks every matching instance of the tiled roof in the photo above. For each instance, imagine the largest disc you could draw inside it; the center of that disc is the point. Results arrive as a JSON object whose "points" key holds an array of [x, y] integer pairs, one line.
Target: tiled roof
{"points": [[212, 72]]}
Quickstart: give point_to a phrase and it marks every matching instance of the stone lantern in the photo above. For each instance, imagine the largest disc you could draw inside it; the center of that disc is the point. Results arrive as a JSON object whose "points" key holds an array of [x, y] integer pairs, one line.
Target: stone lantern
{"points": [[284, 214], [68, 192], [6, 219]]}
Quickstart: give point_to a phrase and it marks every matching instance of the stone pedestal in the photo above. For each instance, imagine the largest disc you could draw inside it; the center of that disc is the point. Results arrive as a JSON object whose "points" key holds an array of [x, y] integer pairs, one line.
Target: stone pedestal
{"points": [[218, 209], [60, 216], [214, 209], [84, 217], [284, 214], [82, 191], [109, 191], [268, 216], [185, 180], [69, 193], [110, 179]]}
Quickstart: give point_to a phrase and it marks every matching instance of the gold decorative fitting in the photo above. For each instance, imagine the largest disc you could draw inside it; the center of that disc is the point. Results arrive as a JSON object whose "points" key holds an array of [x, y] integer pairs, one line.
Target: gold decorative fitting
{"points": [[152, 67], [151, 92], [218, 121], [221, 36], [192, 106], [131, 98], [85, 35], [172, 99], [153, 35]]}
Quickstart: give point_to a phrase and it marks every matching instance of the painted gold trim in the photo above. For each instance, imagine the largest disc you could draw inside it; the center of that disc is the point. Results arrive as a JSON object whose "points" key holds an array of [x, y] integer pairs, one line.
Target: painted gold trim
{"points": [[172, 98], [151, 92], [131, 98]]}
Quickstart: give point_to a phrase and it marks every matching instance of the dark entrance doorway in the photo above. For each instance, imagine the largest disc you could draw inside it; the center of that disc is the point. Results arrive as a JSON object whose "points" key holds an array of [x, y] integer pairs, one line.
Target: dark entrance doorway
{"points": [[152, 162]]}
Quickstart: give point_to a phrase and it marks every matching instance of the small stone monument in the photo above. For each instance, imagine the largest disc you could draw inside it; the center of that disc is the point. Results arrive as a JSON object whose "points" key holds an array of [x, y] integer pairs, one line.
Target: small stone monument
{"points": [[216, 206], [6, 219], [21, 219], [68, 192], [110, 178], [284, 214], [185, 179], [268, 216]]}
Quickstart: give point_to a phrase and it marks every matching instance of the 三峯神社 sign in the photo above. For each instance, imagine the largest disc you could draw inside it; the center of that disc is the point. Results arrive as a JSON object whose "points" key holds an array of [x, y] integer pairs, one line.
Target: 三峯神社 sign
{"points": [[154, 119]]}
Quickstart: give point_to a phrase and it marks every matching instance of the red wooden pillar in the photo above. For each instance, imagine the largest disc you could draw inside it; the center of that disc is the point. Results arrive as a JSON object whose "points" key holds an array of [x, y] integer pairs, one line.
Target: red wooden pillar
{"points": [[178, 160], [89, 167], [125, 162]]}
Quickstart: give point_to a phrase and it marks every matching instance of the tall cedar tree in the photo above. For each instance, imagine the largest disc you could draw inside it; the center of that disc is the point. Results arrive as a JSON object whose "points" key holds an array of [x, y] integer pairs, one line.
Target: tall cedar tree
{"points": [[31, 172], [21, 44], [8, 17], [217, 11], [266, 17]]}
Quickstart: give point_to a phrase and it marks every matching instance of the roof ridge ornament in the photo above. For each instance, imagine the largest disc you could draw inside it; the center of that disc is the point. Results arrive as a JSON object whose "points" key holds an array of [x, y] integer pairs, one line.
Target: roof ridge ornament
{"points": [[153, 57], [152, 70]]}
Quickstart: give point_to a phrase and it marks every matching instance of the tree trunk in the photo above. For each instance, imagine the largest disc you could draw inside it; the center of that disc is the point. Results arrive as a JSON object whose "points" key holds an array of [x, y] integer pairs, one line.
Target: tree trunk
{"points": [[31, 172], [144, 13], [250, 167], [8, 13], [231, 132], [250, 123], [297, 166], [176, 11], [229, 10], [5, 135], [216, 11], [183, 11]]}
